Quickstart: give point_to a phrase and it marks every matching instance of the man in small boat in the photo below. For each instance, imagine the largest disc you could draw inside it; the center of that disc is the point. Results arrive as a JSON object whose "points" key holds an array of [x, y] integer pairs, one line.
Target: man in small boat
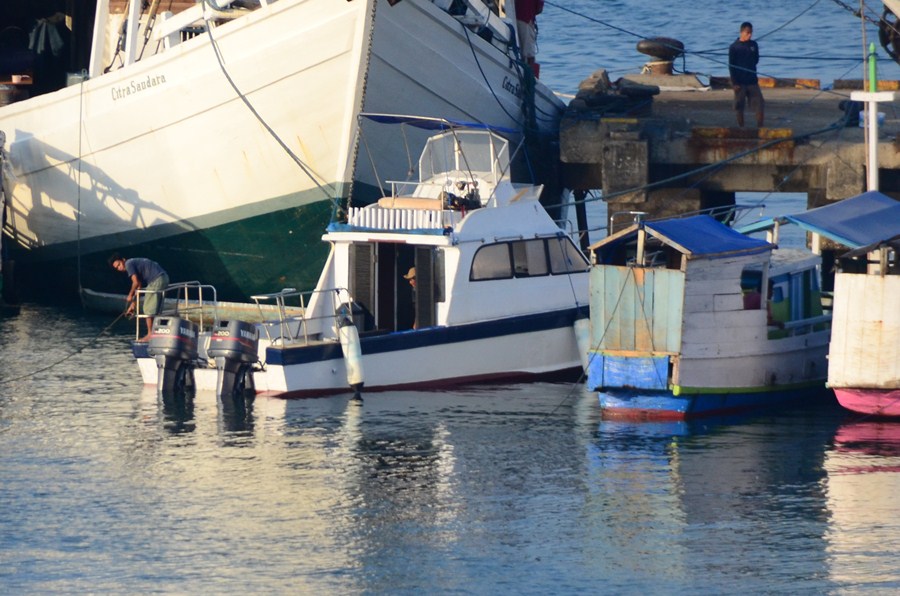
{"points": [[147, 275], [411, 278], [743, 56]]}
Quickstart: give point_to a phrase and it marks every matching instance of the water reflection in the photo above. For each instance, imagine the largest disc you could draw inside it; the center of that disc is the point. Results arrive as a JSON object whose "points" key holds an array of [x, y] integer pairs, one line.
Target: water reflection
{"points": [[521, 488], [236, 413], [682, 490], [862, 490], [869, 437]]}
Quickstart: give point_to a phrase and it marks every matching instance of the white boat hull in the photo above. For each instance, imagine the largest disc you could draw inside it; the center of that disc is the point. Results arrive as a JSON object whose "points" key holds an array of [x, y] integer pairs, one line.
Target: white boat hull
{"points": [[864, 355], [406, 363]]}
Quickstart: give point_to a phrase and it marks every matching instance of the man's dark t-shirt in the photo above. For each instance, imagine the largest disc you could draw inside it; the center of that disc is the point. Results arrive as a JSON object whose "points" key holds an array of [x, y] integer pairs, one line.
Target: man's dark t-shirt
{"points": [[742, 59]]}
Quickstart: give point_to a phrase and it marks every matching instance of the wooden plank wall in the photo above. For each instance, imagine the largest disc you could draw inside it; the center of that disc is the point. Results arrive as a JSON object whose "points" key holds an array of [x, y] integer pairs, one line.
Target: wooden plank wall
{"points": [[865, 333], [715, 321], [636, 309]]}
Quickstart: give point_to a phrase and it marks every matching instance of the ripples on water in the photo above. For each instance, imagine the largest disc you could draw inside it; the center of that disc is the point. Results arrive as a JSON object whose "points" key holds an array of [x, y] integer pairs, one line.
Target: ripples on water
{"points": [[525, 489]]}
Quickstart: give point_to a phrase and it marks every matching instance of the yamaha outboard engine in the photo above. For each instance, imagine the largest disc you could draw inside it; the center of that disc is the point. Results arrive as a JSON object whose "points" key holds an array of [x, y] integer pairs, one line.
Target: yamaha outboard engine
{"points": [[173, 343], [234, 345]]}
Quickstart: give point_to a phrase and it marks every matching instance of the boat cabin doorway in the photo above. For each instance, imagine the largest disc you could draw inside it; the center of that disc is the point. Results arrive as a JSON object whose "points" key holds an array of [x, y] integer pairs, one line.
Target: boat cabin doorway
{"points": [[380, 283]]}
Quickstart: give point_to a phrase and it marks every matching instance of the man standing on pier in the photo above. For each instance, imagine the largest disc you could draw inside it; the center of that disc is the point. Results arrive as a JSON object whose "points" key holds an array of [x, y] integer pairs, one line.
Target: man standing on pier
{"points": [[743, 56]]}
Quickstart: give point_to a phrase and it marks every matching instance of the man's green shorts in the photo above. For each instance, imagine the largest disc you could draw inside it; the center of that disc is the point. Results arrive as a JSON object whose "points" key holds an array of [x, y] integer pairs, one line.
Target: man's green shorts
{"points": [[152, 304]]}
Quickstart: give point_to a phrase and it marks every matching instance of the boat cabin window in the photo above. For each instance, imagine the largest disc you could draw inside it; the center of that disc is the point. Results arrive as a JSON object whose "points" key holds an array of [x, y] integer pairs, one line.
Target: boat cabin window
{"points": [[491, 262], [751, 288], [527, 258], [794, 297], [565, 257]]}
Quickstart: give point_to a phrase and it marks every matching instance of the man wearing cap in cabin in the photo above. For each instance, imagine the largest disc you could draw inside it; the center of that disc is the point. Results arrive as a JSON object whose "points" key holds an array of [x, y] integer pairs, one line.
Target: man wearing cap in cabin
{"points": [[411, 278], [147, 275], [743, 56]]}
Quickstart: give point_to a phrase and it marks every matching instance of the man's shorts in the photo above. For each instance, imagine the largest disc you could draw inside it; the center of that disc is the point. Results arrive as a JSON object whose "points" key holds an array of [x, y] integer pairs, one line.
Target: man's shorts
{"points": [[152, 304], [742, 93]]}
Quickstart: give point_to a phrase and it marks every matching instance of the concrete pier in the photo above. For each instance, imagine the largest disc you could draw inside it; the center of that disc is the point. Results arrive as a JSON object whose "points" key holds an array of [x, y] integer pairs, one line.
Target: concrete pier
{"points": [[682, 151]]}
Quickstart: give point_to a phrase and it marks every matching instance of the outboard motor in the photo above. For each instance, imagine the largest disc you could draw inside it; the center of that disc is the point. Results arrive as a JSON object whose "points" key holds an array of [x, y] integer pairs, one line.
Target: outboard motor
{"points": [[173, 343], [234, 345]]}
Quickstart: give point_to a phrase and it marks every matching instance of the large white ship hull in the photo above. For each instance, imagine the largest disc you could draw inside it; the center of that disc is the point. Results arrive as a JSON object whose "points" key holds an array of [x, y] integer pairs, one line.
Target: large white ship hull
{"points": [[168, 158]]}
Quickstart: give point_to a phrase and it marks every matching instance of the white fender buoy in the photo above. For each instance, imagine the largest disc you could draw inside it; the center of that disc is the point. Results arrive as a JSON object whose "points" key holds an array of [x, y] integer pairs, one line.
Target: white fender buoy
{"points": [[583, 340], [352, 355]]}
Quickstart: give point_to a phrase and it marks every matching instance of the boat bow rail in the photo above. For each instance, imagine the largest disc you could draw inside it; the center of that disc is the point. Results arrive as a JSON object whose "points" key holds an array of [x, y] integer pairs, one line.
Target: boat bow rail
{"points": [[188, 300]]}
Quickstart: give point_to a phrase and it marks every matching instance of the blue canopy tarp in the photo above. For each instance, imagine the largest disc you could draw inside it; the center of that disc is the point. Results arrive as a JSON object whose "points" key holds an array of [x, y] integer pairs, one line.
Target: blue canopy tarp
{"points": [[871, 218], [704, 235], [698, 235], [865, 219]]}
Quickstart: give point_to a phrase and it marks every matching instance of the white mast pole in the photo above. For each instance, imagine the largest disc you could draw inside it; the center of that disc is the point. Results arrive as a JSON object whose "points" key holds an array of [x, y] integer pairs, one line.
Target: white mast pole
{"points": [[872, 97]]}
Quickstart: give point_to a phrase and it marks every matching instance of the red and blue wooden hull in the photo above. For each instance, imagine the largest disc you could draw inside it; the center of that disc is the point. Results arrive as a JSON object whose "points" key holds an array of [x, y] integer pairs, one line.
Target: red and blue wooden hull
{"points": [[666, 405]]}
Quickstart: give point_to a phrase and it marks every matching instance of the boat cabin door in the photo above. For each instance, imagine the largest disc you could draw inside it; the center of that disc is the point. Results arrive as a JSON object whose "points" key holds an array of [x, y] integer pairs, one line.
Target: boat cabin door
{"points": [[380, 283]]}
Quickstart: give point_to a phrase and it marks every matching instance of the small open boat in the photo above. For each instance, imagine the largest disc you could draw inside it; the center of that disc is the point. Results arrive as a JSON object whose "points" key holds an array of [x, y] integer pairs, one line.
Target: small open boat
{"points": [[691, 318], [459, 276]]}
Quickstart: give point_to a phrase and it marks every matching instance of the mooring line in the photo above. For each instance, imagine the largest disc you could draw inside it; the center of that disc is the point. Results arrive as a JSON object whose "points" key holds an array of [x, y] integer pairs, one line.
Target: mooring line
{"points": [[60, 361]]}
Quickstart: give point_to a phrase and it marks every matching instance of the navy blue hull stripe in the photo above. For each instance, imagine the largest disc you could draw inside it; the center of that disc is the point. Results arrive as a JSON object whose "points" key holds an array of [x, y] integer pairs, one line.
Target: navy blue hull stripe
{"points": [[431, 336]]}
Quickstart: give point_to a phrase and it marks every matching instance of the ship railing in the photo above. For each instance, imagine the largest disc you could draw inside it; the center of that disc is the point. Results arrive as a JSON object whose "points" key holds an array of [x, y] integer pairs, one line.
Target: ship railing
{"points": [[169, 25], [799, 326], [187, 300], [306, 316], [376, 217]]}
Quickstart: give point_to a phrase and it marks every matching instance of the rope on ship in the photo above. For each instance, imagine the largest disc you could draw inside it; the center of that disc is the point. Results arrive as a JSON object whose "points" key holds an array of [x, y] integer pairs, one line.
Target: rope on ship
{"points": [[330, 192], [78, 186], [63, 359], [580, 383]]}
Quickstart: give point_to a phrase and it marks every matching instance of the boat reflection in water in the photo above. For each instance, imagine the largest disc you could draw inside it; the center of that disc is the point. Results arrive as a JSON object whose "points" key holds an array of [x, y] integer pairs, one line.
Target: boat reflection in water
{"points": [[446, 479], [683, 489], [373, 483], [863, 481]]}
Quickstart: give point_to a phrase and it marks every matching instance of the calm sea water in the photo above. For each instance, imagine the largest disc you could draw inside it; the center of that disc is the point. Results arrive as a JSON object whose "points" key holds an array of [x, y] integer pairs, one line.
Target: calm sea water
{"points": [[520, 489], [802, 39]]}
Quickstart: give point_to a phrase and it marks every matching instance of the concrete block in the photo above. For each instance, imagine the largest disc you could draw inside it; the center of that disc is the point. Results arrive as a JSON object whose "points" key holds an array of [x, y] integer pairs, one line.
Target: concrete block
{"points": [[843, 179], [596, 83], [625, 165]]}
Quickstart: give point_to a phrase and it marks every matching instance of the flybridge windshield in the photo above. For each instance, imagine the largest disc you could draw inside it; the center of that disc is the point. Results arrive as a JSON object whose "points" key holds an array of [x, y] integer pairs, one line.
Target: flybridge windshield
{"points": [[465, 151]]}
